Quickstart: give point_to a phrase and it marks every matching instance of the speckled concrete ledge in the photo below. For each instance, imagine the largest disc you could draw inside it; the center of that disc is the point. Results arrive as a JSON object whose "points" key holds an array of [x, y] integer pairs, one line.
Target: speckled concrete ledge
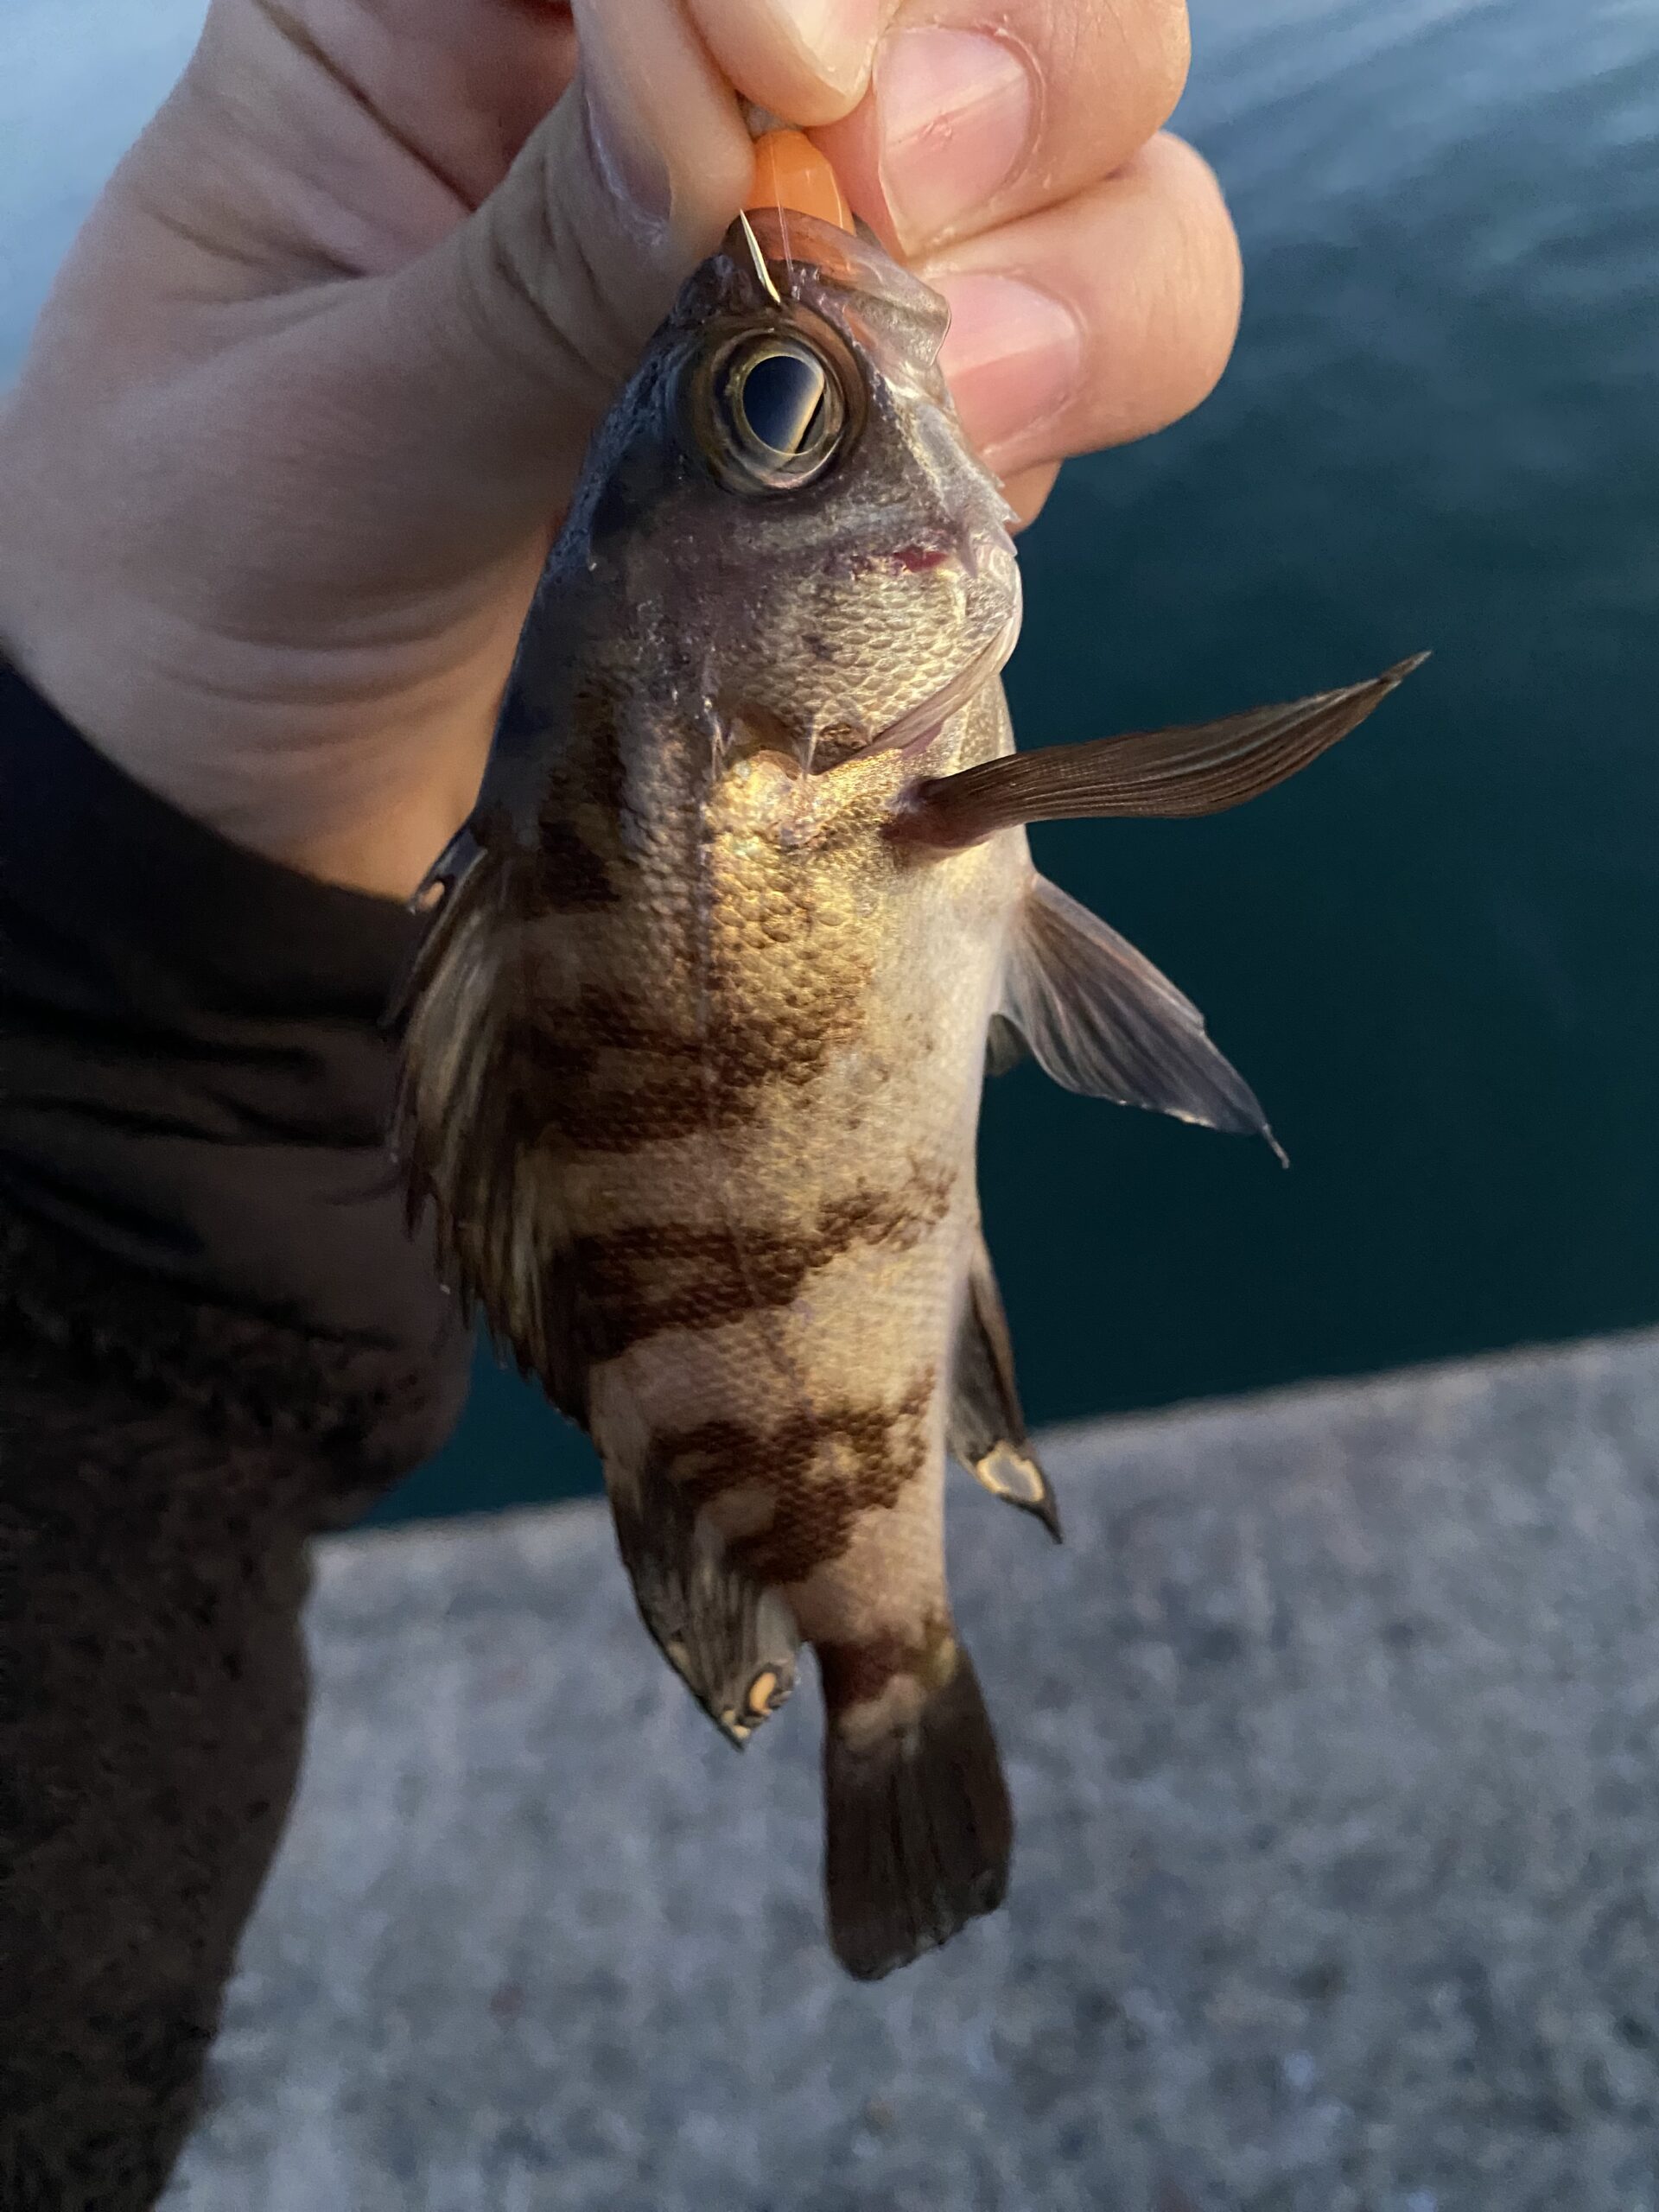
{"points": [[1331, 1731]]}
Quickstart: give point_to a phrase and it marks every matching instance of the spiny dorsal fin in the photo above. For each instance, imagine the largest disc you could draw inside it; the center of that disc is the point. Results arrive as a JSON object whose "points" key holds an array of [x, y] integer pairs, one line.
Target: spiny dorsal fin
{"points": [[468, 1131], [1200, 768], [731, 1640], [1099, 1017], [463, 1130], [985, 1427]]}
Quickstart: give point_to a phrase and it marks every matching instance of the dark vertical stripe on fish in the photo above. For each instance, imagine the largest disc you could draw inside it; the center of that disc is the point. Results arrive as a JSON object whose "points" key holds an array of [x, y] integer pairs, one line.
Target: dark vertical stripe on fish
{"points": [[814, 1507]]}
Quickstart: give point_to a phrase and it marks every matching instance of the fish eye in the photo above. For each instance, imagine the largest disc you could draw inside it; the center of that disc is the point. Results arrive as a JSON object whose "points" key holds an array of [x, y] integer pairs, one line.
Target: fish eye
{"points": [[770, 411], [781, 400]]}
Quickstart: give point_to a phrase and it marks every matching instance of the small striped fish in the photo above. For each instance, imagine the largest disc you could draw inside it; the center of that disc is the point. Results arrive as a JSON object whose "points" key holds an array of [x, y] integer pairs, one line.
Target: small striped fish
{"points": [[697, 1039]]}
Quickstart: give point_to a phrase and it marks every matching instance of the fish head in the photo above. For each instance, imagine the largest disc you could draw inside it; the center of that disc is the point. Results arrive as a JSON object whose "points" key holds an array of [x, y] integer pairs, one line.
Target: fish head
{"points": [[785, 504]]}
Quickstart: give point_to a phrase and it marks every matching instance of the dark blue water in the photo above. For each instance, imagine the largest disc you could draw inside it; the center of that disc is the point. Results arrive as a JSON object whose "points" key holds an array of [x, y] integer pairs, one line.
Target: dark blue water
{"points": [[1435, 954]]}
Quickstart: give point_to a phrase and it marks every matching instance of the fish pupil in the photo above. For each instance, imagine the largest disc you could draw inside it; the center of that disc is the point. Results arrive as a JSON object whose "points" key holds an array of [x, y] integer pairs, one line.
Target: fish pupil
{"points": [[781, 399]]}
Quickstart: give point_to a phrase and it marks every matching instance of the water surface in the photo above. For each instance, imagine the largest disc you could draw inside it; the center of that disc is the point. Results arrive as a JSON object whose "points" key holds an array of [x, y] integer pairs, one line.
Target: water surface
{"points": [[1435, 955]]}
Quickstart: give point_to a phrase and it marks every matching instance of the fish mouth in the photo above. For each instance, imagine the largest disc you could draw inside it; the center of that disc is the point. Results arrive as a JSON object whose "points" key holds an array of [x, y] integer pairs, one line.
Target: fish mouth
{"points": [[918, 725]]}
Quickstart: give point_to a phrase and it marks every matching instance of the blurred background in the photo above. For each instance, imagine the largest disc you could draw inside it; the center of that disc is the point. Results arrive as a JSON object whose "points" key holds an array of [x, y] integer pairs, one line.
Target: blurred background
{"points": [[1433, 956]]}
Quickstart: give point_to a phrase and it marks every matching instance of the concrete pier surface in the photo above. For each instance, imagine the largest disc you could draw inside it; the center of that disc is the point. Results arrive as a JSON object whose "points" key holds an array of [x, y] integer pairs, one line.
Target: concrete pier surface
{"points": [[1331, 1731]]}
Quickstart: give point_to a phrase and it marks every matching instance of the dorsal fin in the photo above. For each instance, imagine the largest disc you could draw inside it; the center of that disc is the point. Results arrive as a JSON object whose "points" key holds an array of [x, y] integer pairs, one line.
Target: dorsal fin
{"points": [[463, 1130], [732, 1641]]}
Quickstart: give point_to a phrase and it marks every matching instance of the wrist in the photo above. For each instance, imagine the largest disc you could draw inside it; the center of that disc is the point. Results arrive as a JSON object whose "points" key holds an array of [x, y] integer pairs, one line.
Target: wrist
{"points": [[257, 742]]}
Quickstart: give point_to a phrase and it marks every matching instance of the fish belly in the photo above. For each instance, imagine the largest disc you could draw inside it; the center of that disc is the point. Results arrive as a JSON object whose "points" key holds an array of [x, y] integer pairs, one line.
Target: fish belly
{"points": [[772, 1265]]}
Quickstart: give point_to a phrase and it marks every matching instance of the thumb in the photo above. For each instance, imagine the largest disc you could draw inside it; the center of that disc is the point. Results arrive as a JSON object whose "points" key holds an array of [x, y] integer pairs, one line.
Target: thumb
{"points": [[498, 351]]}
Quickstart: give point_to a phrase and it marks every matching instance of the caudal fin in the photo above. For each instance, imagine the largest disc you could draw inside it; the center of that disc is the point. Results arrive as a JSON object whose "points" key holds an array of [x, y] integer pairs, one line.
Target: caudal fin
{"points": [[918, 1829]]}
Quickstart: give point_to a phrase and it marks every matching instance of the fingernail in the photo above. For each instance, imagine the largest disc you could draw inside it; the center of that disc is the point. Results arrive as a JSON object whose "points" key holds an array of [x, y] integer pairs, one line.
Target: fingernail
{"points": [[955, 111], [629, 161], [1013, 357], [836, 37]]}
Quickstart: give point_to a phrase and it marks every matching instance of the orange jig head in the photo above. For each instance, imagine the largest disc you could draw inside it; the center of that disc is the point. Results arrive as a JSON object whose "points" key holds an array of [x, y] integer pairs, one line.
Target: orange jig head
{"points": [[792, 176]]}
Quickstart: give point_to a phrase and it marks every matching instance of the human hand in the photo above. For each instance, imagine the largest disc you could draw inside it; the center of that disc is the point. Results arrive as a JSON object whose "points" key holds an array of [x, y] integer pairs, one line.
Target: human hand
{"points": [[284, 462]]}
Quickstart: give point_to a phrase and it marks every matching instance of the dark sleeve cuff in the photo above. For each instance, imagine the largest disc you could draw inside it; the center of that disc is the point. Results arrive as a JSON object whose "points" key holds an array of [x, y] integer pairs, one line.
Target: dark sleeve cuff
{"points": [[197, 1079]]}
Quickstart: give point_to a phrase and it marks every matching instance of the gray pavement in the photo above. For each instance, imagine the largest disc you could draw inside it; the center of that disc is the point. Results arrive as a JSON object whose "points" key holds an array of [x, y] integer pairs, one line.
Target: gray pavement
{"points": [[1331, 1732]]}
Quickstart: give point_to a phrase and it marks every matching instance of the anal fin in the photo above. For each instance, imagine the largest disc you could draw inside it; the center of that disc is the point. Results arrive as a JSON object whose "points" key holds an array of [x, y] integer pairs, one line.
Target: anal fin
{"points": [[732, 1640], [985, 1426]]}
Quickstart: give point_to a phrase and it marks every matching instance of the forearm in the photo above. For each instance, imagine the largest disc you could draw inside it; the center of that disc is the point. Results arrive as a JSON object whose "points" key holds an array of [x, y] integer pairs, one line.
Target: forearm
{"points": [[152, 1693], [215, 1337]]}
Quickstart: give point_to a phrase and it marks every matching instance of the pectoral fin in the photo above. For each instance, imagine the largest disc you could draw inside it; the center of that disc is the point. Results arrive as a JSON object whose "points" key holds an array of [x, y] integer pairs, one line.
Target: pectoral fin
{"points": [[1100, 1018], [1202, 769], [1004, 1046], [986, 1428]]}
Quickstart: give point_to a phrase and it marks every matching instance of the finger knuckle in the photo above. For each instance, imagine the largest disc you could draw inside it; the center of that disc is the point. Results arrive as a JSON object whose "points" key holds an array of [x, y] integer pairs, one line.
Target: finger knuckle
{"points": [[1204, 285]]}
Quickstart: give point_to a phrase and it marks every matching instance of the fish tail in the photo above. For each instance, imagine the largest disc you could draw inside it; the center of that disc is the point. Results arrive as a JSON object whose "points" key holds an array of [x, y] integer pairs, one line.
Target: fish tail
{"points": [[917, 1827]]}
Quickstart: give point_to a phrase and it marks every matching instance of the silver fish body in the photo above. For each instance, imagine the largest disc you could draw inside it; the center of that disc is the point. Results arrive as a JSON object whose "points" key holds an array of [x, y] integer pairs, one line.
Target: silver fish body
{"points": [[696, 1043]]}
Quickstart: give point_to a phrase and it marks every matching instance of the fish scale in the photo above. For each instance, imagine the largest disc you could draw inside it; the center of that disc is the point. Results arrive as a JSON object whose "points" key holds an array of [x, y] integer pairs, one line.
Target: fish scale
{"points": [[695, 1042], [804, 1362]]}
